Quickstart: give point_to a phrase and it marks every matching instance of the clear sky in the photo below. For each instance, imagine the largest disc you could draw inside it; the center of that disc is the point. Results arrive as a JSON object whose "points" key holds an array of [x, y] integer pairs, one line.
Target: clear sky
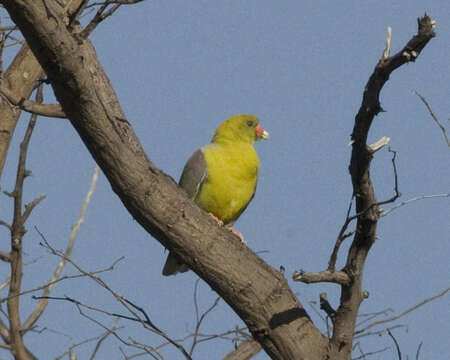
{"points": [[179, 69]]}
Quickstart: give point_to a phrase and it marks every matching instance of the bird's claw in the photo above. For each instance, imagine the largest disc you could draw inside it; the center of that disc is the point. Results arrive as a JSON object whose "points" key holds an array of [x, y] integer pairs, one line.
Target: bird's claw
{"points": [[219, 222], [238, 234]]}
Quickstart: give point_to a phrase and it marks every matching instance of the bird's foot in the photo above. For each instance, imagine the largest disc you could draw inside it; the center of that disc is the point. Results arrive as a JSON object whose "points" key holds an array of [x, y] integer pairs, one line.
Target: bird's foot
{"points": [[219, 222], [237, 233]]}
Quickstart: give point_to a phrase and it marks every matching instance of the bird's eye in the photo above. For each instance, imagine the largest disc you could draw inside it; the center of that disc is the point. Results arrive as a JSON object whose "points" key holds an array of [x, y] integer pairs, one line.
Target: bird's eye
{"points": [[250, 123]]}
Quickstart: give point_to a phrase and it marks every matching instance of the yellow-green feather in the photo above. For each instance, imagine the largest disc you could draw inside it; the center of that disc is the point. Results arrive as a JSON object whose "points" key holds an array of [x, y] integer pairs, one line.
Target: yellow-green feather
{"points": [[232, 165], [231, 182]]}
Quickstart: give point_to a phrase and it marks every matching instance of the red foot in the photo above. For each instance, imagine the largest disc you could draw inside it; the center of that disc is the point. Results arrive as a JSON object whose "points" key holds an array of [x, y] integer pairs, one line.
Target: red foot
{"points": [[220, 222], [237, 233]]}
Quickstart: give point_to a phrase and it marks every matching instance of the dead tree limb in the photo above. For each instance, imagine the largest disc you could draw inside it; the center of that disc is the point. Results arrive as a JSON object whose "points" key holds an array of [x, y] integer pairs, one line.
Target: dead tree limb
{"points": [[352, 294]]}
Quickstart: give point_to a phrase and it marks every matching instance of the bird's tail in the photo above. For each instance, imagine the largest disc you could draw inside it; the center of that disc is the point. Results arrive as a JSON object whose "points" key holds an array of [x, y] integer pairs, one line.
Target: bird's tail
{"points": [[173, 266]]}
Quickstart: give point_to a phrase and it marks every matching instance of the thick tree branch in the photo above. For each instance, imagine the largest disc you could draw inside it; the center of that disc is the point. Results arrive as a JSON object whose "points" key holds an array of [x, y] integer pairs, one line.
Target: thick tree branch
{"points": [[49, 110], [19, 79], [244, 351], [366, 203], [262, 298]]}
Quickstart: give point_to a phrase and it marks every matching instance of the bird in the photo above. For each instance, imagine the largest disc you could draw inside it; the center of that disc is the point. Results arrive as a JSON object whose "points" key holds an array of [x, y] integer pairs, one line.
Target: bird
{"points": [[221, 176]]}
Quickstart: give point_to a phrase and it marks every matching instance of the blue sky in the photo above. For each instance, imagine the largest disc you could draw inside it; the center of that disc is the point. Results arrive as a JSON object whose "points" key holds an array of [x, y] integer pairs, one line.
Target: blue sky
{"points": [[179, 69]]}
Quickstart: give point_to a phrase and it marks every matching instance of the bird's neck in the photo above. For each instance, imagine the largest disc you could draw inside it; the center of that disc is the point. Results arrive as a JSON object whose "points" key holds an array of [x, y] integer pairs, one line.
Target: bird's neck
{"points": [[231, 142]]}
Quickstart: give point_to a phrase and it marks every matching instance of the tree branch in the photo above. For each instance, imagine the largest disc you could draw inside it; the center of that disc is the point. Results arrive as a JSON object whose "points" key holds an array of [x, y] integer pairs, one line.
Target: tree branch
{"points": [[244, 351], [366, 203], [403, 313], [42, 304], [49, 110], [19, 79], [337, 277], [434, 117], [17, 232]]}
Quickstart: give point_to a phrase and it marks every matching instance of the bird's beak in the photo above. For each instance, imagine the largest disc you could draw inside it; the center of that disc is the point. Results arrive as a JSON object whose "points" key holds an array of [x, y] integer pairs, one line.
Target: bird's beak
{"points": [[261, 133]]}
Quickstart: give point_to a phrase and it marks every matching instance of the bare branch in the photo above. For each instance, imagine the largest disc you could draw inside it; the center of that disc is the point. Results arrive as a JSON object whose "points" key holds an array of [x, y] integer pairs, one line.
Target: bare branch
{"points": [[66, 277], [326, 306], [367, 210], [130, 307], [342, 234], [17, 233], [337, 277], [387, 49], [379, 332], [86, 341], [416, 198], [42, 305], [397, 193], [244, 351], [101, 15], [341, 237], [434, 117], [199, 317], [399, 353], [48, 110], [100, 341], [418, 350], [442, 293], [364, 355], [373, 148], [4, 256]]}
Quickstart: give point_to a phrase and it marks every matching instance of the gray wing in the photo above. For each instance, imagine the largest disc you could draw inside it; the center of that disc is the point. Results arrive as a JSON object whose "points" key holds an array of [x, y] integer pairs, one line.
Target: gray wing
{"points": [[194, 174]]}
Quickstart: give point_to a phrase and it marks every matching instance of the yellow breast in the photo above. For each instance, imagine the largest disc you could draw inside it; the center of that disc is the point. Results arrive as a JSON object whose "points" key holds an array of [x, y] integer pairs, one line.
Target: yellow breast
{"points": [[231, 181]]}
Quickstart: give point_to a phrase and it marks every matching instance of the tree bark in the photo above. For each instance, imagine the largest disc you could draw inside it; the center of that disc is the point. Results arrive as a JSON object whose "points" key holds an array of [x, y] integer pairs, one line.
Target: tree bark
{"points": [[19, 79]]}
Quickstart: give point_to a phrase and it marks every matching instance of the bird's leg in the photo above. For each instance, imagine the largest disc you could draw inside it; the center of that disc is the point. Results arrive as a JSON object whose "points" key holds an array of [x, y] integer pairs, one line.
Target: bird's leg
{"points": [[219, 222], [229, 227], [237, 233]]}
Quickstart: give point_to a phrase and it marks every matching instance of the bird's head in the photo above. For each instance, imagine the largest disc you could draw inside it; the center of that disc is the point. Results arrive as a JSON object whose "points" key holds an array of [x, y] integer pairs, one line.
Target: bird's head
{"points": [[243, 128]]}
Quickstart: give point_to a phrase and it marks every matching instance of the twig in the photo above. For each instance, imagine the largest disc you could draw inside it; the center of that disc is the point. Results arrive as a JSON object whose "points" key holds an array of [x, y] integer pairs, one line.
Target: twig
{"points": [[341, 237], [42, 305], [199, 318], [364, 355], [65, 277], [85, 341], [101, 15], [444, 131], [4, 256], [370, 316], [121, 299], [403, 203], [418, 350], [379, 332], [325, 306], [393, 318], [121, 2], [387, 49], [399, 353], [100, 341]]}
